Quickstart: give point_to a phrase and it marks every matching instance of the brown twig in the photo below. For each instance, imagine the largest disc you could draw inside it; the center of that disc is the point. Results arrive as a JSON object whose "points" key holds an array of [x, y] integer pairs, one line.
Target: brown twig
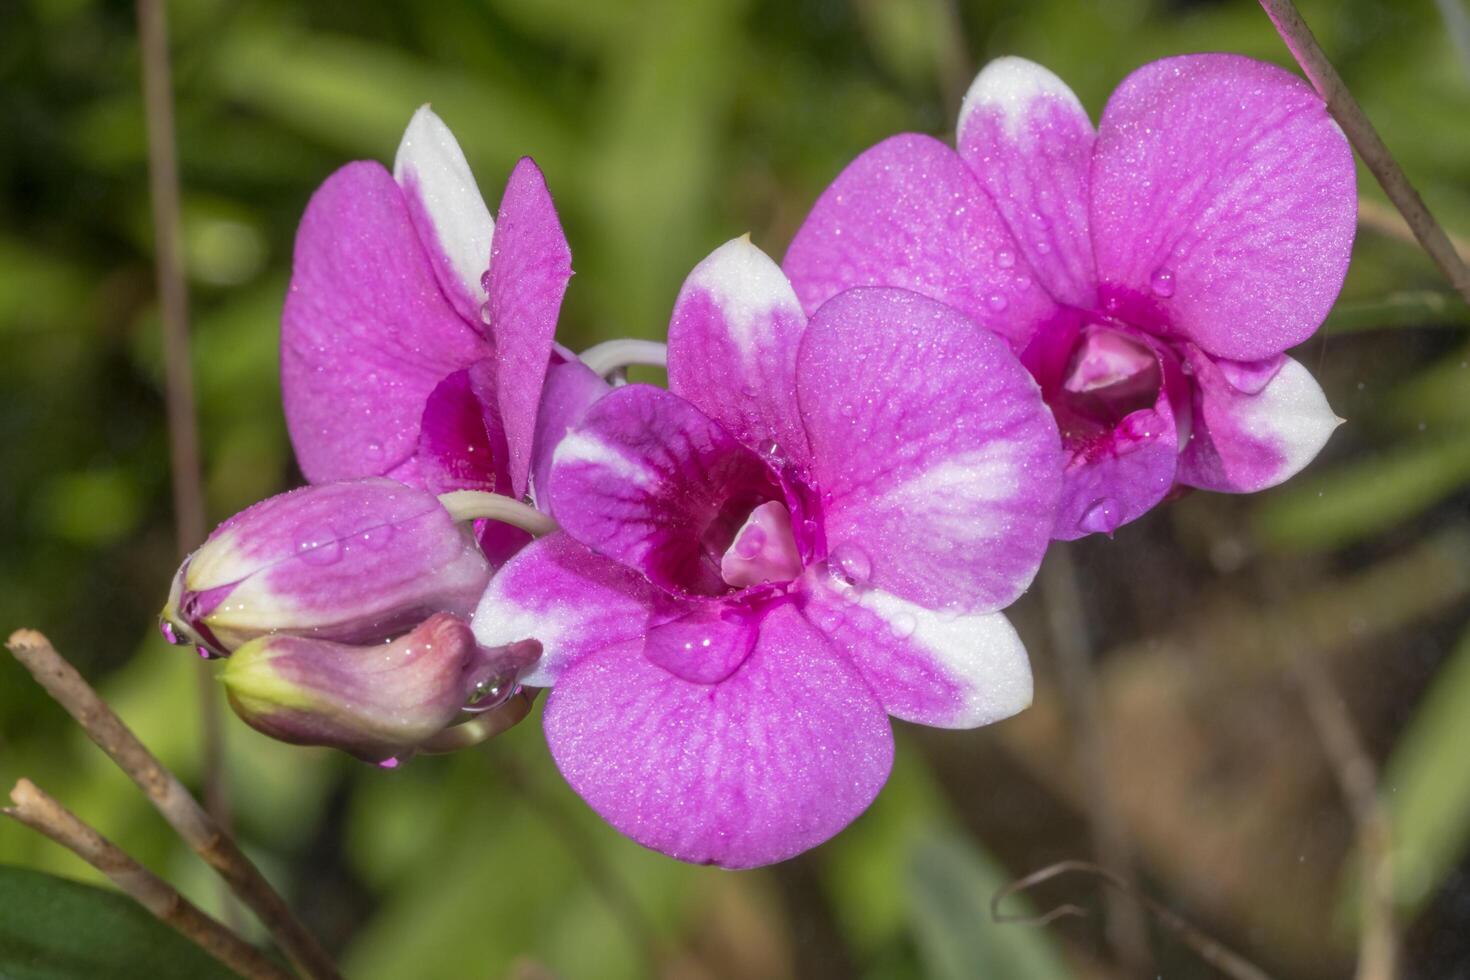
{"points": [[1365, 139], [173, 304], [1357, 779], [43, 814], [171, 799], [1071, 641], [1211, 950]]}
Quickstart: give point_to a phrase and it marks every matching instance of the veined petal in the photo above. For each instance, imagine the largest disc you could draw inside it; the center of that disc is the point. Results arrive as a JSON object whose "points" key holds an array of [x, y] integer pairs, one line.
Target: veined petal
{"points": [[571, 388], [924, 666], [1243, 441], [1223, 203], [529, 271], [732, 347], [646, 476], [366, 333], [775, 759], [909, 213], [447, 210], [938, 462], [573, 600], [1029, 141]]}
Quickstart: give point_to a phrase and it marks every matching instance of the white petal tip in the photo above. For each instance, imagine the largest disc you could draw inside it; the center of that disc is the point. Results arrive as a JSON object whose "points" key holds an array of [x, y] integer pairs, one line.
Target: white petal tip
{"points": [[1010, 85]]}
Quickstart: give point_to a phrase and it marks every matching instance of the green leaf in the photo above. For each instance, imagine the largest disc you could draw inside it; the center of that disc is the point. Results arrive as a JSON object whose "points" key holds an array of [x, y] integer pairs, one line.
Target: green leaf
{"points": [[1338, 507], [1426, 785], [950, 886], [52, 928]]}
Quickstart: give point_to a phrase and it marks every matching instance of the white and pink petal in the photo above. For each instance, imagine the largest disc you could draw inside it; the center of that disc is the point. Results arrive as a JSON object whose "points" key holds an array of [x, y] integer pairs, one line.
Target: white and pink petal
{"points": [[732, 347], [447, 210], [571, 599], [1244, 441], [929, 667], [939, 464], [1029, 141]]}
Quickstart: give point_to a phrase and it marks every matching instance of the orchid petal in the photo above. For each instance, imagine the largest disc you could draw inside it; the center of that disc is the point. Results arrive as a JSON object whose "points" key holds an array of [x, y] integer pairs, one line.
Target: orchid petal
{"points": [[925, 666], [1029, 141], [939, 463], [461, 442], [451, 217], [909, 213], [571, 388], [646, 476], [367, 333], [775, 759], [570, 598], [1223, 203], [1242, 441], [529, 270], [732, 347]]}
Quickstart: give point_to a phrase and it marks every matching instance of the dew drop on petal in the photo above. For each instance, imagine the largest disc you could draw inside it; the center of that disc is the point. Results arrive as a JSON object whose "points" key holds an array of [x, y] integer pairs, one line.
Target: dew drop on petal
{"points": [[996, 302], [167, 629], [318, 546], [1101, 516], [207, 654], [1162, 282], [851, 563], [903, 625], [392, 762], [491, 693], [1005, 258], [376, 538], [751, 542]]}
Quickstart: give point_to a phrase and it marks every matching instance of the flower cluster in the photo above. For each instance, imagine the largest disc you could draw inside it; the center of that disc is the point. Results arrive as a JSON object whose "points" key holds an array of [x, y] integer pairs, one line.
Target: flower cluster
{"points": [[729, 586]]}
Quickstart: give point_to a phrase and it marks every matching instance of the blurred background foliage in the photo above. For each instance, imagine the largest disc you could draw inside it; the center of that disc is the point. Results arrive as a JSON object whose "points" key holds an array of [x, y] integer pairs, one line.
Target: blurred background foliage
{"points": [[666, 127]]}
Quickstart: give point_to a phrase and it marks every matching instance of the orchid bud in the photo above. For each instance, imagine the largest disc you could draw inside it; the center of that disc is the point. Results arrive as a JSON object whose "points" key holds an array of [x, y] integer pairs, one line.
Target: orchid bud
{"points": [[379, 702], [359, 561]]}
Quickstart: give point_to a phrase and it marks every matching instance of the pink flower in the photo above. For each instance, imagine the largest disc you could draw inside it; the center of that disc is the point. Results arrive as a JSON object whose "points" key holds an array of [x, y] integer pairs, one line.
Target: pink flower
{"points": [[1149, 273], [811, 531], [417, 333]]}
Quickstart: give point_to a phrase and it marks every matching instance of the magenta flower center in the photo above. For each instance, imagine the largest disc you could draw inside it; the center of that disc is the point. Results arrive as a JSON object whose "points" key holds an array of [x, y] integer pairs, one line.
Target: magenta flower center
{"points": [[1108, 377], [763, 550]]}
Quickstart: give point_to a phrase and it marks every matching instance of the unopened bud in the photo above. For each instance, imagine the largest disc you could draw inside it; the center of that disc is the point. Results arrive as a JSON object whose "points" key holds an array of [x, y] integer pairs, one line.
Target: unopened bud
{"points": [[379, 702], [358, 561]]}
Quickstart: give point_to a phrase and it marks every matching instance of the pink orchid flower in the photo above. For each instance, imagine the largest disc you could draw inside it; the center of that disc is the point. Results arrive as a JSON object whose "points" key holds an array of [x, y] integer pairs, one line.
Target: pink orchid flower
{"points": [[418, 332], [811, 531], [1150, 272]]}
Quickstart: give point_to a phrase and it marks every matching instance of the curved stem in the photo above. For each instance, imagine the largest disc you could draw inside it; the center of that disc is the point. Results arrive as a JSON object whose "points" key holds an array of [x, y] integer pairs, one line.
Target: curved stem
{"points": [[473, 505], [1365, 139], [612, 355]]}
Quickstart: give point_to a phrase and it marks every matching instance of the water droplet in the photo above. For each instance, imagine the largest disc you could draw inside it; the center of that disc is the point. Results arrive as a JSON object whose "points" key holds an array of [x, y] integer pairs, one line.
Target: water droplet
{"points": [[903, 625], [375, 449], [392, 762], [1005, 258], [1162, 282], [996, 302], [207, 654], [376, 538], [771, 449], [850, 562], [490, 693], [1102, 516], [167, 629], [318, 546]]}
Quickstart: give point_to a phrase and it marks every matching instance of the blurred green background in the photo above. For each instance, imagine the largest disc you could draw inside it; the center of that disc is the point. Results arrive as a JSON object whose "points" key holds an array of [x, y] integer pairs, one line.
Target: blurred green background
{"points": [[665, 128]]}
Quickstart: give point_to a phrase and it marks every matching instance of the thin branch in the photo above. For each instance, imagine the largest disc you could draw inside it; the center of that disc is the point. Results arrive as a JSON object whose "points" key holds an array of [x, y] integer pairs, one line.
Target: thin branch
{"points": [[1357, 779], [1072, 642], [198, 829], [41, 813], [1210, 950], [173, 304], [1365, 139]]}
